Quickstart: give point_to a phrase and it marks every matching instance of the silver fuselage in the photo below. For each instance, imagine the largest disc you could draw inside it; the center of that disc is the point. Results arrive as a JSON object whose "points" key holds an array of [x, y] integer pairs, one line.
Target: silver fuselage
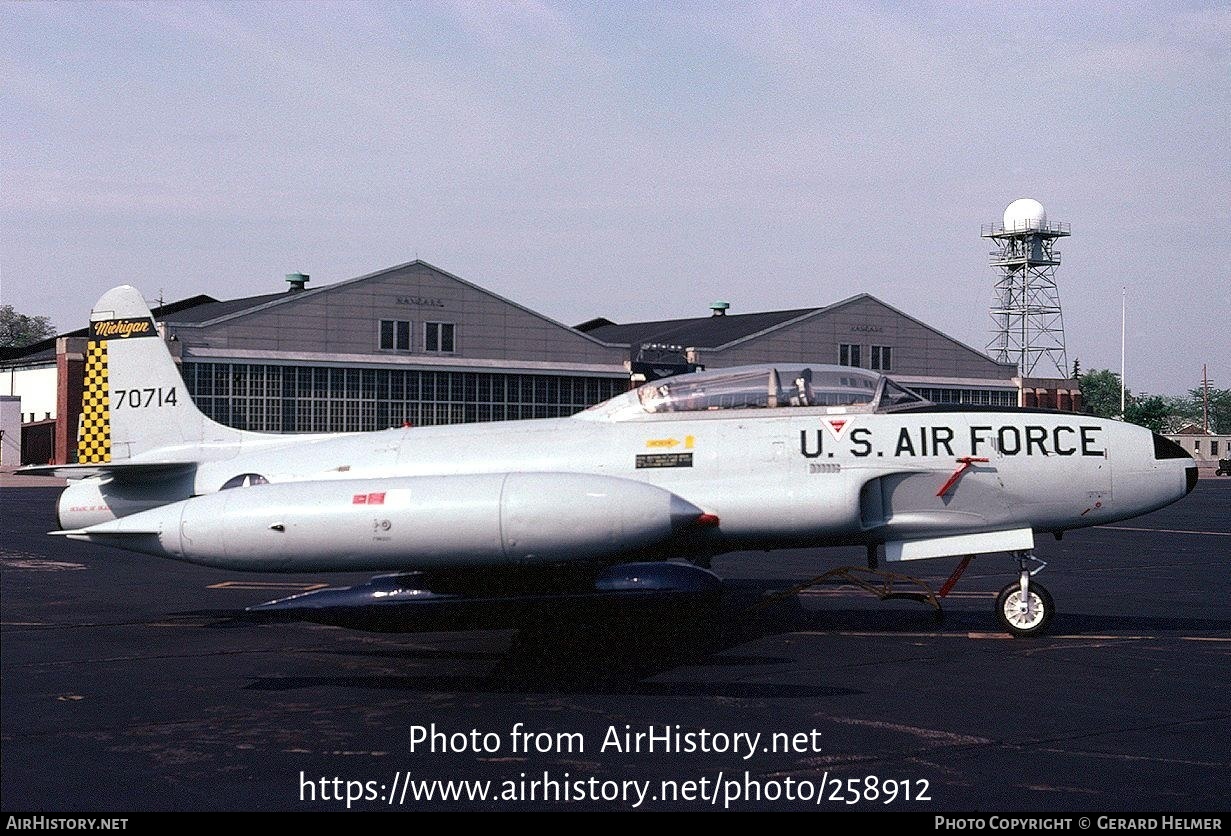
{"points": [[773, 478]]}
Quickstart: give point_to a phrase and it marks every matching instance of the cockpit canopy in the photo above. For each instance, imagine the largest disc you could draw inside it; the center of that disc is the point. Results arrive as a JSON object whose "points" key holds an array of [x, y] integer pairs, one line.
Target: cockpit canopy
{"points": [[829, 388]]}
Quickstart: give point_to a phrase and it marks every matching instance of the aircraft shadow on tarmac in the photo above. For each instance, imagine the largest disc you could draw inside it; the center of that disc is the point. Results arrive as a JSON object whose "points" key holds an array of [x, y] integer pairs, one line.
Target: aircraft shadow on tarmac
{"points": [[618, 655], [609, 657], [539, 681]]}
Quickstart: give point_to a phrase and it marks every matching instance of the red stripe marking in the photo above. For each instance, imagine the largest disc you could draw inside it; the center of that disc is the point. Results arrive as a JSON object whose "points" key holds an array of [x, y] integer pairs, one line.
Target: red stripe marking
{"points": [[952, 582], [963, 464]]}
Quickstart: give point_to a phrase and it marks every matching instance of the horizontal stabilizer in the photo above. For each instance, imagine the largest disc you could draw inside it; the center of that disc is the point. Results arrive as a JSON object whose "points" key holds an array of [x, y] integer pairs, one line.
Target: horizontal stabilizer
{"points": [[120, 471], [91, 533]]}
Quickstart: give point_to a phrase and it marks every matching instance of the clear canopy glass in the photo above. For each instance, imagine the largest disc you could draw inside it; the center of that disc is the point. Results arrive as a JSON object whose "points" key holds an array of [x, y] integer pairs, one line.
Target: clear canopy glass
{"points": [[831, 388]]}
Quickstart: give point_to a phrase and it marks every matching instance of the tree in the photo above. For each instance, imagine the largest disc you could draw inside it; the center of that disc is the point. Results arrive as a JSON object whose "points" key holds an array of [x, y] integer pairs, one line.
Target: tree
{"points": [[1151, 411], [1100, 393], [1187, 410], [17, 330], [1220, 408]]}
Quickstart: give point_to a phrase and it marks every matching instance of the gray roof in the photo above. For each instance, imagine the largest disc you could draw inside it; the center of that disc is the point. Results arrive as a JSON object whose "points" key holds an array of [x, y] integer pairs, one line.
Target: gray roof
{"points": [[699, 332], [45, 350], [717, 332], [216, 309], [240, 307]]}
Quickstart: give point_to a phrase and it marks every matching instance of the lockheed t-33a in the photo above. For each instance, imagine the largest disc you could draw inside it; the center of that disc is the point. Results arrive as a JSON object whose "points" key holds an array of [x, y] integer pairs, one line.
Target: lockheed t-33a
{"points": [[627, 500]]}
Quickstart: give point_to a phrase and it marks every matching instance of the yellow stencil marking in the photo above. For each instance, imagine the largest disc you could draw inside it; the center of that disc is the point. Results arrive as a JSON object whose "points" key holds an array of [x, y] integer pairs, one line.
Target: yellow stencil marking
{"points": [[94, 438], [671, 442]]}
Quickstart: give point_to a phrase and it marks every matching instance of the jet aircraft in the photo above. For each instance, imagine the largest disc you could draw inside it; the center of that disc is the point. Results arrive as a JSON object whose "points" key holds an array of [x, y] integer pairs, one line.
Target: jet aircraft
{"points": [[627, 500]]}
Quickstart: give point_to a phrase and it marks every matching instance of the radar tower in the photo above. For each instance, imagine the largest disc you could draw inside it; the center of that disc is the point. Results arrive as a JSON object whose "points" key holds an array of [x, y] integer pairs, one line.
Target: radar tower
{"points": [[1029, 327]]}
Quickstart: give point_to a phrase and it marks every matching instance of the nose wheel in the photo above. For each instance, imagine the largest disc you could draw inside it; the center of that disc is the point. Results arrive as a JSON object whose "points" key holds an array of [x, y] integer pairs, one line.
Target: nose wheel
{"points": [[1025, 608]]}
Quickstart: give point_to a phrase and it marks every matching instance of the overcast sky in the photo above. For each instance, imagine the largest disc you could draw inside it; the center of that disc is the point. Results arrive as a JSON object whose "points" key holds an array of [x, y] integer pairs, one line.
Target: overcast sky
{"points": [[633, 161]]}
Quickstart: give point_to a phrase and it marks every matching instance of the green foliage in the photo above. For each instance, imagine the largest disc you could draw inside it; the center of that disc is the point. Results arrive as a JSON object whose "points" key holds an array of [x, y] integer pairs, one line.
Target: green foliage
{"points": [[1152, 412], [1220, 408], [1100, 393], [17, 330]]}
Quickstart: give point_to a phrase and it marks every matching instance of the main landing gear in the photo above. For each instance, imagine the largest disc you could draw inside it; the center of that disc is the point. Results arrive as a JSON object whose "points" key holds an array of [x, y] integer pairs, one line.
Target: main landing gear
{"points": [[1025, 608]]}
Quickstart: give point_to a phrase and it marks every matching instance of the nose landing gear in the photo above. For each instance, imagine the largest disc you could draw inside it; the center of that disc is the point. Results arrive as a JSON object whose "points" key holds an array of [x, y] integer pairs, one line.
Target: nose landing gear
{"points": [[1025, 608]]}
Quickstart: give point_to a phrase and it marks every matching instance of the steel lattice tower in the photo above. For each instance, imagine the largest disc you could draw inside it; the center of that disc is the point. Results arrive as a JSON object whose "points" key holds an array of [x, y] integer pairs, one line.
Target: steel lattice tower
{"points": [[1029, 327]]}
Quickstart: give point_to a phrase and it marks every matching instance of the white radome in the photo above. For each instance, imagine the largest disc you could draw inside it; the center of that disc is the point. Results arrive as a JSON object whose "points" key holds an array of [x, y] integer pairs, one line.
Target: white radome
{"points": [[1025, 213]]}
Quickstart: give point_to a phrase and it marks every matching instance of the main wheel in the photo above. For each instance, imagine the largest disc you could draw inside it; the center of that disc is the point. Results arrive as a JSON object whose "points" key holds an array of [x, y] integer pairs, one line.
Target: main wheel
{"points": [[1013, 616]]}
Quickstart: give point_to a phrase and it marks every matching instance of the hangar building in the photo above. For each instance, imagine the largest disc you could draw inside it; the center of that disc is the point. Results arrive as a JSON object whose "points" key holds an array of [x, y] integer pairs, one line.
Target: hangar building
{"points": [[860, 331]]}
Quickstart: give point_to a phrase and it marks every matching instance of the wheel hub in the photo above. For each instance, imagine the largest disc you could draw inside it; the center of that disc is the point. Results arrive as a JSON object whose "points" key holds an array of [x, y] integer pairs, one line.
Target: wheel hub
{"points": [[1023, 612]]}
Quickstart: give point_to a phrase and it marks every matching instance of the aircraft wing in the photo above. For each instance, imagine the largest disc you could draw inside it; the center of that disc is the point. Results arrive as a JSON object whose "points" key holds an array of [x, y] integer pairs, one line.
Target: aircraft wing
{"points": [[121, 471]]}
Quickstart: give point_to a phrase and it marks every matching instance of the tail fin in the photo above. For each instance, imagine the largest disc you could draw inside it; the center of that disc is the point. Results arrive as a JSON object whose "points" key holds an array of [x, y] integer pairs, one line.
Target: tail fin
{"points": [[133, 399]]}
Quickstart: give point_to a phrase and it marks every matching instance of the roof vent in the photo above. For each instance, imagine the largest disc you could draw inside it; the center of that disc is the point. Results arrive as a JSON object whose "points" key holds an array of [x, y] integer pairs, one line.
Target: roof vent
{"points": [[297, 280], [719, 308]]}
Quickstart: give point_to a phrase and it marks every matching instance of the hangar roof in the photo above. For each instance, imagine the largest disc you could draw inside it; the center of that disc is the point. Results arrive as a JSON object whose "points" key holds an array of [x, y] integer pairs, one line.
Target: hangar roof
{"points": [[706, 331], [720, 332], [45, 350], [215, 309]]}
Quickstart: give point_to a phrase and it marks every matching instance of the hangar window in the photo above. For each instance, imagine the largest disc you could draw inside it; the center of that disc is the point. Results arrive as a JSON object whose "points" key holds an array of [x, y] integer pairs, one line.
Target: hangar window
{"points": [[438, 336], [848, 355], [882, 358], [394, 335]]}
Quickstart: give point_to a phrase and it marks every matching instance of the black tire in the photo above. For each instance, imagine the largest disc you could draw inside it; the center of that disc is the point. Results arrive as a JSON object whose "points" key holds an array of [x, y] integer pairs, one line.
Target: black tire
{"points": [[1009, 618]]}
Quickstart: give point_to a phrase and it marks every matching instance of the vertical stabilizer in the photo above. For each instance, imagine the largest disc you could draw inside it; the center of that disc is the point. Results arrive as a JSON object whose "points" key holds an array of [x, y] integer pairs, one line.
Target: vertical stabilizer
{"points": [[134, 399]]}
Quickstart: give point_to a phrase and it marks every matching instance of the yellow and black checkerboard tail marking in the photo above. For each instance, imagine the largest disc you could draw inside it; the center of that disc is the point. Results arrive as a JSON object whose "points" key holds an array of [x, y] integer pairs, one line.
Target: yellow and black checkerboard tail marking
{"points": [[134, 401], [94, 436]]}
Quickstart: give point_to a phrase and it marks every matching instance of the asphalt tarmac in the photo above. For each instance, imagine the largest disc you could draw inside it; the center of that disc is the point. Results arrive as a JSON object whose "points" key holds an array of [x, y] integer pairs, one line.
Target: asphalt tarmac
{"points": [[129, 683]]}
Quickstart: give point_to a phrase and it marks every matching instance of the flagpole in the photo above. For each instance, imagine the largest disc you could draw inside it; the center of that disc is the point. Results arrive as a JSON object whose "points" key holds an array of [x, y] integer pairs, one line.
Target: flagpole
{"points": [[1123, 295]]}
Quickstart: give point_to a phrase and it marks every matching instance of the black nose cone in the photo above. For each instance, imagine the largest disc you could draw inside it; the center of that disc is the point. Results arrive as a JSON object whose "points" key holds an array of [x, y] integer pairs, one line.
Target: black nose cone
{"points": [[1190, 474]]}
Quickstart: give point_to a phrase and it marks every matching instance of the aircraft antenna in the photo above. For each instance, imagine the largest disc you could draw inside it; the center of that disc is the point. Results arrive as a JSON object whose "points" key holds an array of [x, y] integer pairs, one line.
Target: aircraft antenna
{"points": [[1029, 327]]}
